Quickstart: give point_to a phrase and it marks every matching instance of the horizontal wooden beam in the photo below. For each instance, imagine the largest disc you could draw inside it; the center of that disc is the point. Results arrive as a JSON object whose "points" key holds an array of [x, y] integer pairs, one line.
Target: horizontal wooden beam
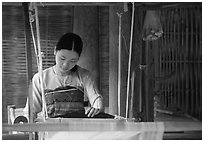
{"points": [[78, 124], [165, 5], [140, 5], [69, 3], [166, 136]]}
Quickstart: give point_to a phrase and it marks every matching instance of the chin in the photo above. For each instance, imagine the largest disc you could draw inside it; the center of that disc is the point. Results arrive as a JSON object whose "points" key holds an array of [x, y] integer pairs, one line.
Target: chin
{"points": [[64, 71]]}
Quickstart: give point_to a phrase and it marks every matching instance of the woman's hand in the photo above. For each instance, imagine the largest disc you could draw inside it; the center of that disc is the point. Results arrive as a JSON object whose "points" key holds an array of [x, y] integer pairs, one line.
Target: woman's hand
{"points": [[90, 112]]}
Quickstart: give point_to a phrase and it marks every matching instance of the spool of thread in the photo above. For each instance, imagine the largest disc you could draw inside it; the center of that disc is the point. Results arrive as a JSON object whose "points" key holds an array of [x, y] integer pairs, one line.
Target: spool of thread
{"points": [[125, 6], [20, 119]]}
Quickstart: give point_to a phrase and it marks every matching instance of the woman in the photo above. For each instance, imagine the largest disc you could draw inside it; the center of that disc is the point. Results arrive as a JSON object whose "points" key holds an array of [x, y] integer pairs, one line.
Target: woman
{"points": [[67, 85]]}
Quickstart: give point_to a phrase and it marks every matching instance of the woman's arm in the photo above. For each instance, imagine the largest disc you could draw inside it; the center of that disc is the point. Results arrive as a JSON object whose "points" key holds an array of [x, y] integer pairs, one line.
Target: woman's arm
{"points": [[37, 99], [96, 108], [95, 99], [35, 103]]}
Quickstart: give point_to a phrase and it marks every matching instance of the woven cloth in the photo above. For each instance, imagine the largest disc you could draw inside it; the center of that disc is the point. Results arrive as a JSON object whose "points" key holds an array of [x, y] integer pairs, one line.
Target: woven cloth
{"points": [[64, 100], [106, 129]]}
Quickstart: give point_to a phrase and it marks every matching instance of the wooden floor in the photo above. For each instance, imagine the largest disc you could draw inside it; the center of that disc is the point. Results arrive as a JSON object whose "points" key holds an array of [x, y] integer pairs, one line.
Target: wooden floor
{"points": [[168, 117], [183, 135]]}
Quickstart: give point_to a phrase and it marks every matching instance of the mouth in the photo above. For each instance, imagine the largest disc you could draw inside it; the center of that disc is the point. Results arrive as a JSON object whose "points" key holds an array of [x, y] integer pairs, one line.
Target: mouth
{"points": [[65, 69]]}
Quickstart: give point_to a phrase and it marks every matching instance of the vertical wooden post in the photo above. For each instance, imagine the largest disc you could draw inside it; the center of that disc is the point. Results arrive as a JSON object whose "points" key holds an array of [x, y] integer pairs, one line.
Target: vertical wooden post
{"points": [[113, 59], [200, 63], [126, 28], [140, 106], [186, 63], [28, 59], [167, 59], [151, 21], [28, 42], [137, 41], [143, 79], [119, 64], [191, 65], [183, 61], [197, 63]]}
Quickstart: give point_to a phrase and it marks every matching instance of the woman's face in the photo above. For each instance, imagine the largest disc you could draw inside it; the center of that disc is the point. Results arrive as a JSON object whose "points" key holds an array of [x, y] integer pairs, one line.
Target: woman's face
{"points": [[66, 60]]}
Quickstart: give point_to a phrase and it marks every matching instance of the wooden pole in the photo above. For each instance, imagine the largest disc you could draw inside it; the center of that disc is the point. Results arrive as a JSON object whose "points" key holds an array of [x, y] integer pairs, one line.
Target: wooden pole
{"points": [[44, 107], [186, 63], [113, 57], [174, 62], [178, 60], [143, 81], [129, 61], [28, 42], [29, 60], [190, 61], [132, 95], [103, 125], [141, 90], [119, 63], [196, 62], [182, 60]]}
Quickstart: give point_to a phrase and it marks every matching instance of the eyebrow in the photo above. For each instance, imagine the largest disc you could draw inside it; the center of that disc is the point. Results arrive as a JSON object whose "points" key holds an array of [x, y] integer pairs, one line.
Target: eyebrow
{"points": [[62, 56], [74, 59]]}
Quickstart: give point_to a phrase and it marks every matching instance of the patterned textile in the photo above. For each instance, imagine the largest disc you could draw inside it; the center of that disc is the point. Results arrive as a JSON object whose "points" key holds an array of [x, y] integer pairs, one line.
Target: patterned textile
{"points": [[64, 100]]}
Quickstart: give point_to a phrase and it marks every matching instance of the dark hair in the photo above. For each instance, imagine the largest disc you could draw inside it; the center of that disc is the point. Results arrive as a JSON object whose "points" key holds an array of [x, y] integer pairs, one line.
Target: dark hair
{"points": [[70, 41]]}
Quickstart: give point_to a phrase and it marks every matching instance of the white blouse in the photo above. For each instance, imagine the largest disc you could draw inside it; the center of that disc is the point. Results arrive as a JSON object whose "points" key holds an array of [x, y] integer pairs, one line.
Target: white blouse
{"points": [[81, 78]]}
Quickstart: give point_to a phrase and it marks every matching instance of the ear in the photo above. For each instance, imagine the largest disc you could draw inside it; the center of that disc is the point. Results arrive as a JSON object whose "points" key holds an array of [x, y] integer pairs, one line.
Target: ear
{"points": [[55, 51]]}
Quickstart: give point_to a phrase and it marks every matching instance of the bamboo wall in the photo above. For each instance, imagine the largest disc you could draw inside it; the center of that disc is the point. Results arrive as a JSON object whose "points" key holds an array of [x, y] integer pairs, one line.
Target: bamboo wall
{"points": [[13, 58], [179, 61], [174, 62]]}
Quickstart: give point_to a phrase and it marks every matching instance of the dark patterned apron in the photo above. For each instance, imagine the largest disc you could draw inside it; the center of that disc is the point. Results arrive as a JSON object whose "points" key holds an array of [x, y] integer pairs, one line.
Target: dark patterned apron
{"points": [[64, 101]]}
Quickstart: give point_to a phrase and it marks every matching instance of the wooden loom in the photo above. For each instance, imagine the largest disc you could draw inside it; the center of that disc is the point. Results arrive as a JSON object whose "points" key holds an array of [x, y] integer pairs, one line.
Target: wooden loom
{"points": [[100, 128], [104, 126]]}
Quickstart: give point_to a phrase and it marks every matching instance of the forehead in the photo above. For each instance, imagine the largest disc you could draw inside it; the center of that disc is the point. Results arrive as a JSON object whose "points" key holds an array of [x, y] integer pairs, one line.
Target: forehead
{"points": [[68, 54]]}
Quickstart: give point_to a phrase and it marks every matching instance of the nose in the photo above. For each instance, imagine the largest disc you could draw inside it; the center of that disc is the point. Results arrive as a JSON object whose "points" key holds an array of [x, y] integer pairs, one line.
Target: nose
{"points": [[65, 64]]}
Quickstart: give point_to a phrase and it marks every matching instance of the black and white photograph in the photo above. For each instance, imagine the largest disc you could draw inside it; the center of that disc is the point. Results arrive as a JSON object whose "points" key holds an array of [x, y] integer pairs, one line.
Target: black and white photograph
{"points": [[101, 70]]}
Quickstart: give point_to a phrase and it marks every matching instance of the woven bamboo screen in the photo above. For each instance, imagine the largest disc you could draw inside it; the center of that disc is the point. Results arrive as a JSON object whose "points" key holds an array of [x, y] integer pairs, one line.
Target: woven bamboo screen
{"points": [[180, 59], [54, 21]]}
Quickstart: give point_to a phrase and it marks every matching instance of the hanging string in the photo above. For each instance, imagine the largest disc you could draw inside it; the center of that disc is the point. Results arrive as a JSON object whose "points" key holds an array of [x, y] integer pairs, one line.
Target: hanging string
{"points": [[129, 62], [44, 108], [34, 17]]}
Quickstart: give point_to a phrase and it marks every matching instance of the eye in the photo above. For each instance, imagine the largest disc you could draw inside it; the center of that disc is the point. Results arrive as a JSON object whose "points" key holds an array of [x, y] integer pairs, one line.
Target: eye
{"points": [[62, 58], [74, 61]]}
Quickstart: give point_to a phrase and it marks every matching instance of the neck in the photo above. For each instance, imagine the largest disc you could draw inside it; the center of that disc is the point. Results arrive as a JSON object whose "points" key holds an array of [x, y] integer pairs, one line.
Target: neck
{"points": [[58, 72]]}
